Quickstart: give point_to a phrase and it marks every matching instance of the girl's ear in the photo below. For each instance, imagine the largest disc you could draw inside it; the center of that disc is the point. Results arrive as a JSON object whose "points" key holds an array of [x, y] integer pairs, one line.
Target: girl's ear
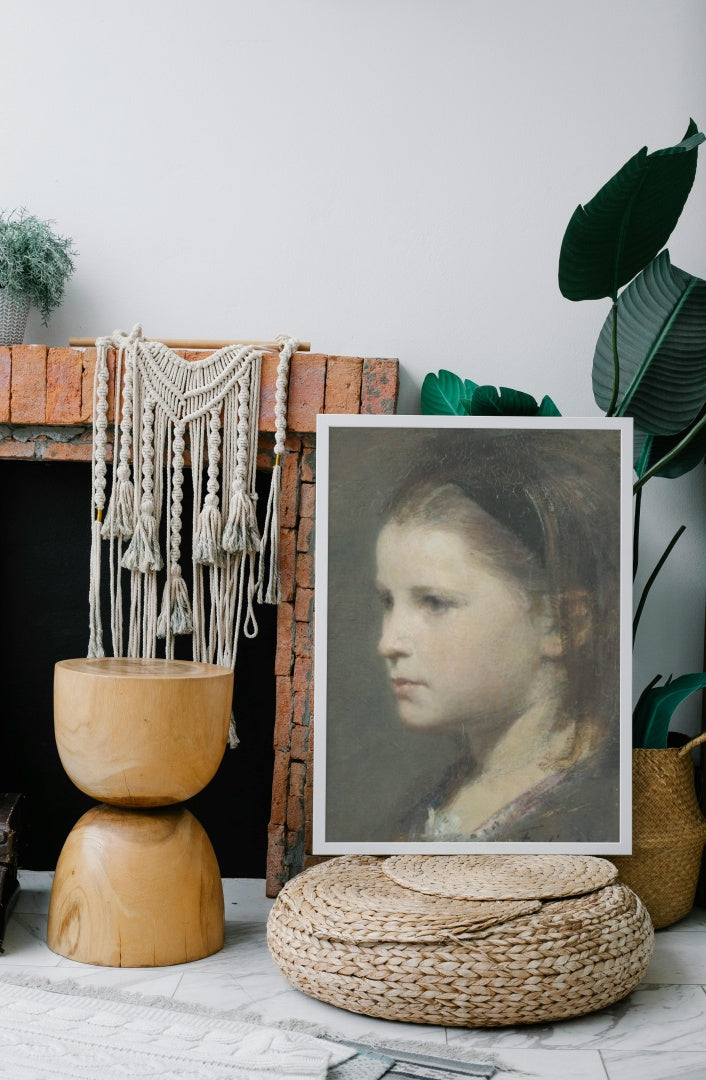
{"points": [[572, 624]]}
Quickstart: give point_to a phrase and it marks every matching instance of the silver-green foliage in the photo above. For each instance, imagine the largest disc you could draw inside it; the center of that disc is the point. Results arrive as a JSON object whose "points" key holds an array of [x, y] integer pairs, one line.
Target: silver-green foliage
{"points": [[35, 262]]}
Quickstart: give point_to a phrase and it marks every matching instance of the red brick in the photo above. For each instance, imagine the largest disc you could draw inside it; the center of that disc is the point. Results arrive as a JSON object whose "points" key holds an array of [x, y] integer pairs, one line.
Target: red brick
{"points": [[275, 860], [301, 712], [304, 605], [305, 571], [304, 640], [88, 372], [379, 386], [28, 399], [283, 712], [280, 788], [302, 674], [297, 779], [308, 810], [306, 391], [64, 378], [307, 383], [289, 500], [267, 391], [53, 451], [285, 639], [287, 562], [5, 373], [12, 448], [343, 382], [300, 739], [308, 467], [305, 535], [295, 815], [307, 500]]}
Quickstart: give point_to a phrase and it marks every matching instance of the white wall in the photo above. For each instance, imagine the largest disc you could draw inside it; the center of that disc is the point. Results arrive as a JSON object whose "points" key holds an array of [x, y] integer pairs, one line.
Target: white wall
{"points": [[382, 177]]}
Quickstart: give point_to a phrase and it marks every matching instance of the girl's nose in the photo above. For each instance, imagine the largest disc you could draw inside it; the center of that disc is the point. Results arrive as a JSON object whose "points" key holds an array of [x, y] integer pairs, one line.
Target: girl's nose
{"points": [[394, 639]]}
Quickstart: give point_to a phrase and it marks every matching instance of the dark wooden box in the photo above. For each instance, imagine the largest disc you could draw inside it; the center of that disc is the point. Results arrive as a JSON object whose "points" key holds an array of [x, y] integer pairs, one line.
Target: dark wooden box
{"points": [[10, 833]]}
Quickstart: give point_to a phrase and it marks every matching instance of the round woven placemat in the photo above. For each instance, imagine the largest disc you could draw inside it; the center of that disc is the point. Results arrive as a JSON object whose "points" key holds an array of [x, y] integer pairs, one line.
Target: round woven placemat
{"points": [[500, 877], [360, 903]]}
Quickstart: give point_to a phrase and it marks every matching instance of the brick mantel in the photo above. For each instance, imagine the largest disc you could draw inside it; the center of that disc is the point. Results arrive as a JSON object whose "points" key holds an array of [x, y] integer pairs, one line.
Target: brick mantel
{"points": [[46, 397]]}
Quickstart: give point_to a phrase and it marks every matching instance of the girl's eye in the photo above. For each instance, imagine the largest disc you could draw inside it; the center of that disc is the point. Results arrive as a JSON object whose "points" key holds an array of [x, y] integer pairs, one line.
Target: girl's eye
{"points": [[385, 599], [434, 603]]}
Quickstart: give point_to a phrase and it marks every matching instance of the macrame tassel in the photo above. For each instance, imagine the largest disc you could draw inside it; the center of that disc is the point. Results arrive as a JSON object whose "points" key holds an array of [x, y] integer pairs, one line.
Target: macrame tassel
{"points": [[233, 740], [208, 548], [143, 552], [95, 640], [175, 614], [120, 517], [273, 593], [241, 532]]}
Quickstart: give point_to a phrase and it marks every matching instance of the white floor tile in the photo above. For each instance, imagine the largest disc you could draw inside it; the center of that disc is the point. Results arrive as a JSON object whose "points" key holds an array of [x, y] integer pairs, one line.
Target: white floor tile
{"points": [[676, 1065], [660, 1027]]}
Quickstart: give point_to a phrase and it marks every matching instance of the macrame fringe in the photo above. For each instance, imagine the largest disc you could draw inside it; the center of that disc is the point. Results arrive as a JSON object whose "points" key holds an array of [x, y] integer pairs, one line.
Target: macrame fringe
{"points": [[161, 401], [208, 542], [175, 615], [142, 553], [120, 518], [95, 640], [273, 593], [241, 532]]}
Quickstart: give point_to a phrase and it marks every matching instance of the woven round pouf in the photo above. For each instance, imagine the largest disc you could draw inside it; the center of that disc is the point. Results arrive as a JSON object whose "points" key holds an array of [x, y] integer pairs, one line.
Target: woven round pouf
{"points": [[349, 933]]}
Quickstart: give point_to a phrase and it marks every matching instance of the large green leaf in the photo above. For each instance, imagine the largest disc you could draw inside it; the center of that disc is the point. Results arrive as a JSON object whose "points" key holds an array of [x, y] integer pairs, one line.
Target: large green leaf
{"points": [[444, 394], [661, 350], [502, 401], [649, 450], [610, 239], [654, 710]]}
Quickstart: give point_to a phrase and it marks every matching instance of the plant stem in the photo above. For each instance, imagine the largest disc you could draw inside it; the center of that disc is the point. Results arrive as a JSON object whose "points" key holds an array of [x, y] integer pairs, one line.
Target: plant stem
{"points": [[636, 533], [651, 579], [691, 433], [616, 366]]}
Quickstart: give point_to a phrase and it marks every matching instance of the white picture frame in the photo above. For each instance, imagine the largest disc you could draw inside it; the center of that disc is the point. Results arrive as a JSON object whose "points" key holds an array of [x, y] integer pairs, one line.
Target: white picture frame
{"points": [[401, 763]]}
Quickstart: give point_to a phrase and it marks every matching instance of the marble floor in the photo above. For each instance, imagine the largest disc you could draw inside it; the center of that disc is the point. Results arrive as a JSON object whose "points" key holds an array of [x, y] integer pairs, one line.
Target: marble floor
{"points": [[658, 1033]]}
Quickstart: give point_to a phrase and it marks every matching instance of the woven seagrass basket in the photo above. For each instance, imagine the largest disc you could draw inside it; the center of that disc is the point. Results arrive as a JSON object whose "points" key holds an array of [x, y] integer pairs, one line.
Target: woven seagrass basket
{"points": [[668, 833], [13, 319], [348, 933]]}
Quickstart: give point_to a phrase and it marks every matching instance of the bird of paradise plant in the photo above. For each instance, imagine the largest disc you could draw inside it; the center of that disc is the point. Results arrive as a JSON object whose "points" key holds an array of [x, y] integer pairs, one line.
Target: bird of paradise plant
{"points": [[650, 358]]}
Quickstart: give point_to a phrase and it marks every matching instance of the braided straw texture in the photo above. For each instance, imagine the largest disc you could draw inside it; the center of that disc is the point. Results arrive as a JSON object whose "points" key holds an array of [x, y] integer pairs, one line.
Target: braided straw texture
{"points": [[13, 318], [362, 904], [501, 877], [568, 958], [668, 834]]}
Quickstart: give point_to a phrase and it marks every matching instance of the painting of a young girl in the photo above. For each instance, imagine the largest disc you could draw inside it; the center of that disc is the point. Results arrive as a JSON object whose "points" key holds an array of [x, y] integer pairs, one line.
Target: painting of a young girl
{"points": [[495, 628]]}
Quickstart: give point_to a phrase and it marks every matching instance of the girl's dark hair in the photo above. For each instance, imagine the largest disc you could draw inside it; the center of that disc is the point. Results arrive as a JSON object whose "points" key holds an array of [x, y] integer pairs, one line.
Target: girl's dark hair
{"points": [[551, 502]]}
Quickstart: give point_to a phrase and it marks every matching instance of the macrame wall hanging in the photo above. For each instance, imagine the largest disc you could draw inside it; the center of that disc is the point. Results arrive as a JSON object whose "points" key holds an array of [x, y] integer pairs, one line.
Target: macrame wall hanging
{"points": [[161, 400]]}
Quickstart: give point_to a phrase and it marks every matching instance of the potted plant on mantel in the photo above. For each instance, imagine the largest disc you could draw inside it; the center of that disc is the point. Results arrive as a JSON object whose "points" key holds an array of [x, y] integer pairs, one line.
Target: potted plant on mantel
{"points": [[35, 264], [649, 364]]}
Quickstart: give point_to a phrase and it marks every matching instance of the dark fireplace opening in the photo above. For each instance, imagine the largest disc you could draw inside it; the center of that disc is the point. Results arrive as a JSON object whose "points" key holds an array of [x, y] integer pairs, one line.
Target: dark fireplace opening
{"points": [[44, 561]]}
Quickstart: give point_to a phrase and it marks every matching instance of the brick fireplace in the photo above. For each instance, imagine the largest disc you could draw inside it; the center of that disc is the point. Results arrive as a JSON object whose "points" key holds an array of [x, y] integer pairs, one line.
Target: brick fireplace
{"points": [[46, 415]]}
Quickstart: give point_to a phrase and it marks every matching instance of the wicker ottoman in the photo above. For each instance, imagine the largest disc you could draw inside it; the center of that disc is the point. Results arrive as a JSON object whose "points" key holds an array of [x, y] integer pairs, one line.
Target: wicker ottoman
{"points": [[467, 941]]}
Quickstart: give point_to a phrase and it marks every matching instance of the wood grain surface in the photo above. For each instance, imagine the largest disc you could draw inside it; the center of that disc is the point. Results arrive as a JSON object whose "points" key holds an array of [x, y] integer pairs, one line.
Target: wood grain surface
{"points": [[141, 733], [136, 888]]}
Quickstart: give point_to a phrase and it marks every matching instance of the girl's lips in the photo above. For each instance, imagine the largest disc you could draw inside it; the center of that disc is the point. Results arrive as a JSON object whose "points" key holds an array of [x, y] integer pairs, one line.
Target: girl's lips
{"points": [[401, 686]]}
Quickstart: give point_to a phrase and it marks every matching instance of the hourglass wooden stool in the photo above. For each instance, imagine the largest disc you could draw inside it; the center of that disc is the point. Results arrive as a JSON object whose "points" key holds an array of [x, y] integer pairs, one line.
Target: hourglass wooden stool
{"points": [[137, 883]]}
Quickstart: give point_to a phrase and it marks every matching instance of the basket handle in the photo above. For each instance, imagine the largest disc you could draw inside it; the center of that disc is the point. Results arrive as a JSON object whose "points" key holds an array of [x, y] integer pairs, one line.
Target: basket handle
{"points": [[691, 745]]}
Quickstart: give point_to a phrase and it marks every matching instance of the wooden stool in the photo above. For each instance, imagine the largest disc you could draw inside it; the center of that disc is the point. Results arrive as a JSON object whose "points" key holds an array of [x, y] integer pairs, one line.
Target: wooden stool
{"points": [[137, 886]]}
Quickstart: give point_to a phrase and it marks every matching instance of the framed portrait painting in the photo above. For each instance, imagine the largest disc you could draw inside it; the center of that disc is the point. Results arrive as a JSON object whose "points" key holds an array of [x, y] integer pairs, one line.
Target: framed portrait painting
{"points": [[472, 638]]}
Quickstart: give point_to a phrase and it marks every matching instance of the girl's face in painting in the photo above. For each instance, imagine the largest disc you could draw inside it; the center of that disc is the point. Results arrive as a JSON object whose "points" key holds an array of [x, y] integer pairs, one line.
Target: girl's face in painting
{"points": [[461, 640]]}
